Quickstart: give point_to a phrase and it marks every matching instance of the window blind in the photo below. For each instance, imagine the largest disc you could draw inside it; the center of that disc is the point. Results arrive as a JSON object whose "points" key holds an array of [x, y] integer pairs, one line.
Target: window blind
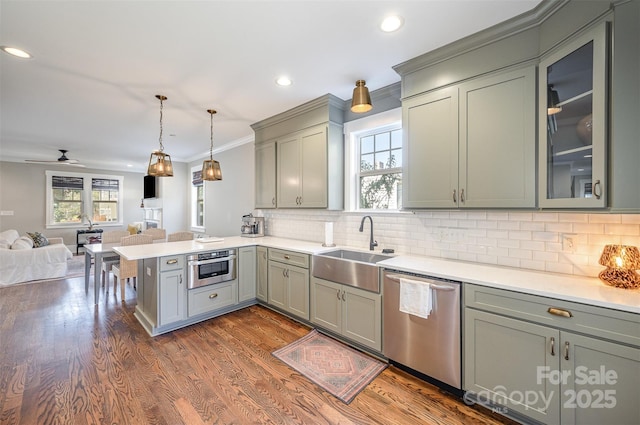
{"points": [[197, 178], [67, 182]]}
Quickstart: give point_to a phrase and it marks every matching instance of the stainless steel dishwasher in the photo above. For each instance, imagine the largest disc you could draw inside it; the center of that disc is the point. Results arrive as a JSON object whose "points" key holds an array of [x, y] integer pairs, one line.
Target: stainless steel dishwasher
{"points": [[430, 346]]}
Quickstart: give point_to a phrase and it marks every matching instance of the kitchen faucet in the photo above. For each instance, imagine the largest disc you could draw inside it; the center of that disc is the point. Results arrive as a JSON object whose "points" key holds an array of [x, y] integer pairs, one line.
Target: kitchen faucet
{"points": [[372, 243]]}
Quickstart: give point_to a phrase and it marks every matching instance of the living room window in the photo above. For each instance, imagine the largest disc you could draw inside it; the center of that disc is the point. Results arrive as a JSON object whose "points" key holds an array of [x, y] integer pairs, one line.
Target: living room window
{"points": [[197, 197], [74, 199], [373, 162]]}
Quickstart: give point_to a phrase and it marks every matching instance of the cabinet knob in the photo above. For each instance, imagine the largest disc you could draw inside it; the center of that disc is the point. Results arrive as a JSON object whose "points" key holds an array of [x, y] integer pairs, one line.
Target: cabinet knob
{"points": [[286, 257], [212, 296]]}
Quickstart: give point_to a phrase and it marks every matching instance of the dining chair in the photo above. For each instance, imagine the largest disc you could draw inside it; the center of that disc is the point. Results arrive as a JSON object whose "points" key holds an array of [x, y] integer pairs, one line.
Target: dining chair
{"points": [[128, 268], [108, 262], [180, 236], [157, 234]]}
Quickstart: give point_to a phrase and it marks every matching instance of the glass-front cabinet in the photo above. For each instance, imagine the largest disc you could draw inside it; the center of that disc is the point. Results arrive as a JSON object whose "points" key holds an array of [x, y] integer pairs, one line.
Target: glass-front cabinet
{"points": [[573, 123]]}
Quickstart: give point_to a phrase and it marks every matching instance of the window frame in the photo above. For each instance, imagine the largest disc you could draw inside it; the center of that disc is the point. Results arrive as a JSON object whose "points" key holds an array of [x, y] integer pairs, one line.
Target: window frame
{"points": [[353, 130], [86, 201], [193, 204]]}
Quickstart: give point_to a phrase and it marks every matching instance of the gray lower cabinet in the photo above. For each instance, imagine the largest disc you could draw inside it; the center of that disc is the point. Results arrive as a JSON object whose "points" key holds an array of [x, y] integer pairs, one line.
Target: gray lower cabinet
{"points": [[262, 274], [353, 313], [288, 287], [171, 290], [213, 297], [246, 273], [549, 360]]}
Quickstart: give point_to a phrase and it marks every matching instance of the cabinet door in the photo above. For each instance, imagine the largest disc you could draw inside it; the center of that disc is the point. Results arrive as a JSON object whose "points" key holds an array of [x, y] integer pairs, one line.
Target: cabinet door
{"points": [[502, 359], [362, 317], [326, 304], [572, 119], [266, 175], [288, 170], [298, 292], [277, 288], [246, 273], [497, 141], [314, 168], [262, 274], [603, 381], [171, 297], [430, 153]]}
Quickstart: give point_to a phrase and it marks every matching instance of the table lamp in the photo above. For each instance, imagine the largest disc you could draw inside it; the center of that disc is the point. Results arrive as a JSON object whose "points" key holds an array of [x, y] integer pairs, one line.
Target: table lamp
{"points": [[621, 262]]}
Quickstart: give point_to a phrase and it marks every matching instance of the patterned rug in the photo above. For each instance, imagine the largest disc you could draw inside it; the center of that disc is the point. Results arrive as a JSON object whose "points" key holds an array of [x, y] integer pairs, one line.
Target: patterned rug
{"points": [[335, 367]]}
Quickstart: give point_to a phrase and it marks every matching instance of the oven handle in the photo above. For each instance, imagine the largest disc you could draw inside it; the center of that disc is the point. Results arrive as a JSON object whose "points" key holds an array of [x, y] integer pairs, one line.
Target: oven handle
{"points": [[396, 277], [210, 261]]}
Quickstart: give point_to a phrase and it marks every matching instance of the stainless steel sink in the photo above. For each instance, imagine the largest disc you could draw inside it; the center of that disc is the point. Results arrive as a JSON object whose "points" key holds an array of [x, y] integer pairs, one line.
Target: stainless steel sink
{"points": [[353, 268]]}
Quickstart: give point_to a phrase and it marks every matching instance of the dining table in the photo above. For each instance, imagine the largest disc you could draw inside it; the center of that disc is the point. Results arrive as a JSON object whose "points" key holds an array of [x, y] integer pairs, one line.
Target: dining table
{"points": [[97, 251]]}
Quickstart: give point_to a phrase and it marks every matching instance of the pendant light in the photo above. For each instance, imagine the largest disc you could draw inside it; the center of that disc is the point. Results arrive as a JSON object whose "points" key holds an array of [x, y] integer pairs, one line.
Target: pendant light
{"points": [[160, 162], [361, 101], [210, 167]]}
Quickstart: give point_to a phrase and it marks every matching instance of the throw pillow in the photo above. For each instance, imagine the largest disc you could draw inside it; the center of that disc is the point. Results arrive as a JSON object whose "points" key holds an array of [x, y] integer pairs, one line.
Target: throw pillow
{"points": [[10, 235], [23, 242], [5, 244], [38, 239], [133, 230]]}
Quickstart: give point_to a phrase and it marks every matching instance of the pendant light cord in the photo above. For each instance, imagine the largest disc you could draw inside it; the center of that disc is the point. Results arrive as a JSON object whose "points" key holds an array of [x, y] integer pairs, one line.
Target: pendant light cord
{"points": [[160, 139], [211, 147]]}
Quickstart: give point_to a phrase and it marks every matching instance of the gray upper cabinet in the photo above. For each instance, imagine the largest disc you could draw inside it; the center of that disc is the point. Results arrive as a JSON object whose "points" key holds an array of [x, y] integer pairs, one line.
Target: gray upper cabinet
{"points": [[472, 145], [300, 157], [572, 118], [266, 175]]}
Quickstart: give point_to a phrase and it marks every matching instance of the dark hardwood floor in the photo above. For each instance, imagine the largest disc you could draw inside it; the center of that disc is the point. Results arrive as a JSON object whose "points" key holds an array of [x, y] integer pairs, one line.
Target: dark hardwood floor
{"points": [[65, 361]]}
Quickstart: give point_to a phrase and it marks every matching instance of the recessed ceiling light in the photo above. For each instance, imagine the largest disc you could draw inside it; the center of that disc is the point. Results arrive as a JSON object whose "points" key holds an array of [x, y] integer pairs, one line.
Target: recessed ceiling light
{"points": [[284, 81], [14, 51], [391, 23]]}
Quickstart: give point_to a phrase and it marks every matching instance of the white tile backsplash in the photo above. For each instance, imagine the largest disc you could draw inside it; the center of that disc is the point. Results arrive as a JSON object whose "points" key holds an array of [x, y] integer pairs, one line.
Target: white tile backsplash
{"points": [[530, 240]]}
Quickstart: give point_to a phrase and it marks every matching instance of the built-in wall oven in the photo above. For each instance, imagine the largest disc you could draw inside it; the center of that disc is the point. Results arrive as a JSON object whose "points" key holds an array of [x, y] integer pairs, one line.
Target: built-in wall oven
{"points": [[211, 267]]}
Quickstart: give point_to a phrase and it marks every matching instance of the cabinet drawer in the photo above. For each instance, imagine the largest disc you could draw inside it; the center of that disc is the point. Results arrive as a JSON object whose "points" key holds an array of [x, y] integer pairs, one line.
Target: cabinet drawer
{"points": [[212, 297], [289, 257], [619, 326], [174, 262]]}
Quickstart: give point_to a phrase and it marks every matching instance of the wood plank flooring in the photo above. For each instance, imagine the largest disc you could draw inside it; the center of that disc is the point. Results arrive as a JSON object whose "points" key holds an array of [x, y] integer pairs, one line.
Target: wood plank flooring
{"points": [[65, 361]]}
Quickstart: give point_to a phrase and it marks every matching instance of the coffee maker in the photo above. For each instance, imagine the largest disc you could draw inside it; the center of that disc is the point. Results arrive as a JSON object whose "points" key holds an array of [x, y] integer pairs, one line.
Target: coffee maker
{"points": [[252, 227]]}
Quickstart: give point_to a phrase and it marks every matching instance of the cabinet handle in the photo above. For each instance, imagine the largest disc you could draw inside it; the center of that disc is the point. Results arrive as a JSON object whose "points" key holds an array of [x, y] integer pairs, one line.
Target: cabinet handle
{"points": [[212, 296], [180, 279], [597, 189], [338, 293], [301, 200], [553, 346], [455, 198], [283, 273], [273, 201], [287, 272], [462, 195], [566, 350], [286, 257], [343, 296], [174, 261], [559, 312]]}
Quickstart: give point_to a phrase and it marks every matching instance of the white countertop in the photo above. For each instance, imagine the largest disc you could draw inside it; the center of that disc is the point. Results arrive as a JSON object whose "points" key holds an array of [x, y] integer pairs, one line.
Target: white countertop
{"points": [[586, 290], [580, 289]]}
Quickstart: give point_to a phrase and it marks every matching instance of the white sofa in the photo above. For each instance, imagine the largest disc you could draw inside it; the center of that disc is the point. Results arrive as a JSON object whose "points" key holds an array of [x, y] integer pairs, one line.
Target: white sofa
{"points": [[24, 263]]}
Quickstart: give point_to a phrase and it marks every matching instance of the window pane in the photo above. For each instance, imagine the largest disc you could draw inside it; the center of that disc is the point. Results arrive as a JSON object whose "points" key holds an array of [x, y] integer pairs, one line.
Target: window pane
{"points": [[366, 144], [67, 212], [396, 158], [381, 192], [382, 160], [382, 141], [366, 162], [105, 211], [396, 139]]}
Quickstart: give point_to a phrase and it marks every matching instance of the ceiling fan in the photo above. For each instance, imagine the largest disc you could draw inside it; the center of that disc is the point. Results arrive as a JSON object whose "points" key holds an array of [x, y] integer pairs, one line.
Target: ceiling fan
{"points": [[63, 160]]}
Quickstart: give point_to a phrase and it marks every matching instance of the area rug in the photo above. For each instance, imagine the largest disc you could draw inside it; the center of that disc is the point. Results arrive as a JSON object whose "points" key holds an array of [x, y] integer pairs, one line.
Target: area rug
{"points": [[333, 366]]}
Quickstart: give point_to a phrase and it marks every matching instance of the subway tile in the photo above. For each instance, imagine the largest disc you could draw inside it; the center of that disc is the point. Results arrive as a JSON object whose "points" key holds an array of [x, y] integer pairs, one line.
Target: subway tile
{"points": [[467, 256], [622, 229], [630, 218], [534, 226], [558, 268], [497, 215], [545, 236], [547, 217], [521, 216], [605, 218], [532, 245], [533, 265], [603, 240], [520, 253], [487, 259], [559, 227], [591, 228], [498, 234], [508, 225], [573, 218], [508, 261], [545, 256], [508, 243], [520, 235]]}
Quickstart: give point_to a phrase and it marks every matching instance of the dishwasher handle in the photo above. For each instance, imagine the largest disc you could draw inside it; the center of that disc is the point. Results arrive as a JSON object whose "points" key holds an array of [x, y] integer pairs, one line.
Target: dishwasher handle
{"points": [[397, 277]]}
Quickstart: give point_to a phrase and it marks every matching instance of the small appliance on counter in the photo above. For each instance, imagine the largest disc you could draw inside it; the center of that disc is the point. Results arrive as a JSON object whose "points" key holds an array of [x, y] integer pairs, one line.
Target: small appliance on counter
{"points": [[252, 227]]}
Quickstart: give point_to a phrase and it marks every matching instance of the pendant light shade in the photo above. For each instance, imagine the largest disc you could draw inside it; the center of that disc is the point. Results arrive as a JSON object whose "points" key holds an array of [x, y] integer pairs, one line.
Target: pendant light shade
{"points": [[553, 99], [160, 162], [211, 168], [361, 101]]}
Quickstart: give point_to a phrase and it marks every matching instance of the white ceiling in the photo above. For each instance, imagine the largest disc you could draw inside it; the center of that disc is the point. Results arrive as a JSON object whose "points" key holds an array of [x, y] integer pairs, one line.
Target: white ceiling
{"points": [[97, 66]]}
